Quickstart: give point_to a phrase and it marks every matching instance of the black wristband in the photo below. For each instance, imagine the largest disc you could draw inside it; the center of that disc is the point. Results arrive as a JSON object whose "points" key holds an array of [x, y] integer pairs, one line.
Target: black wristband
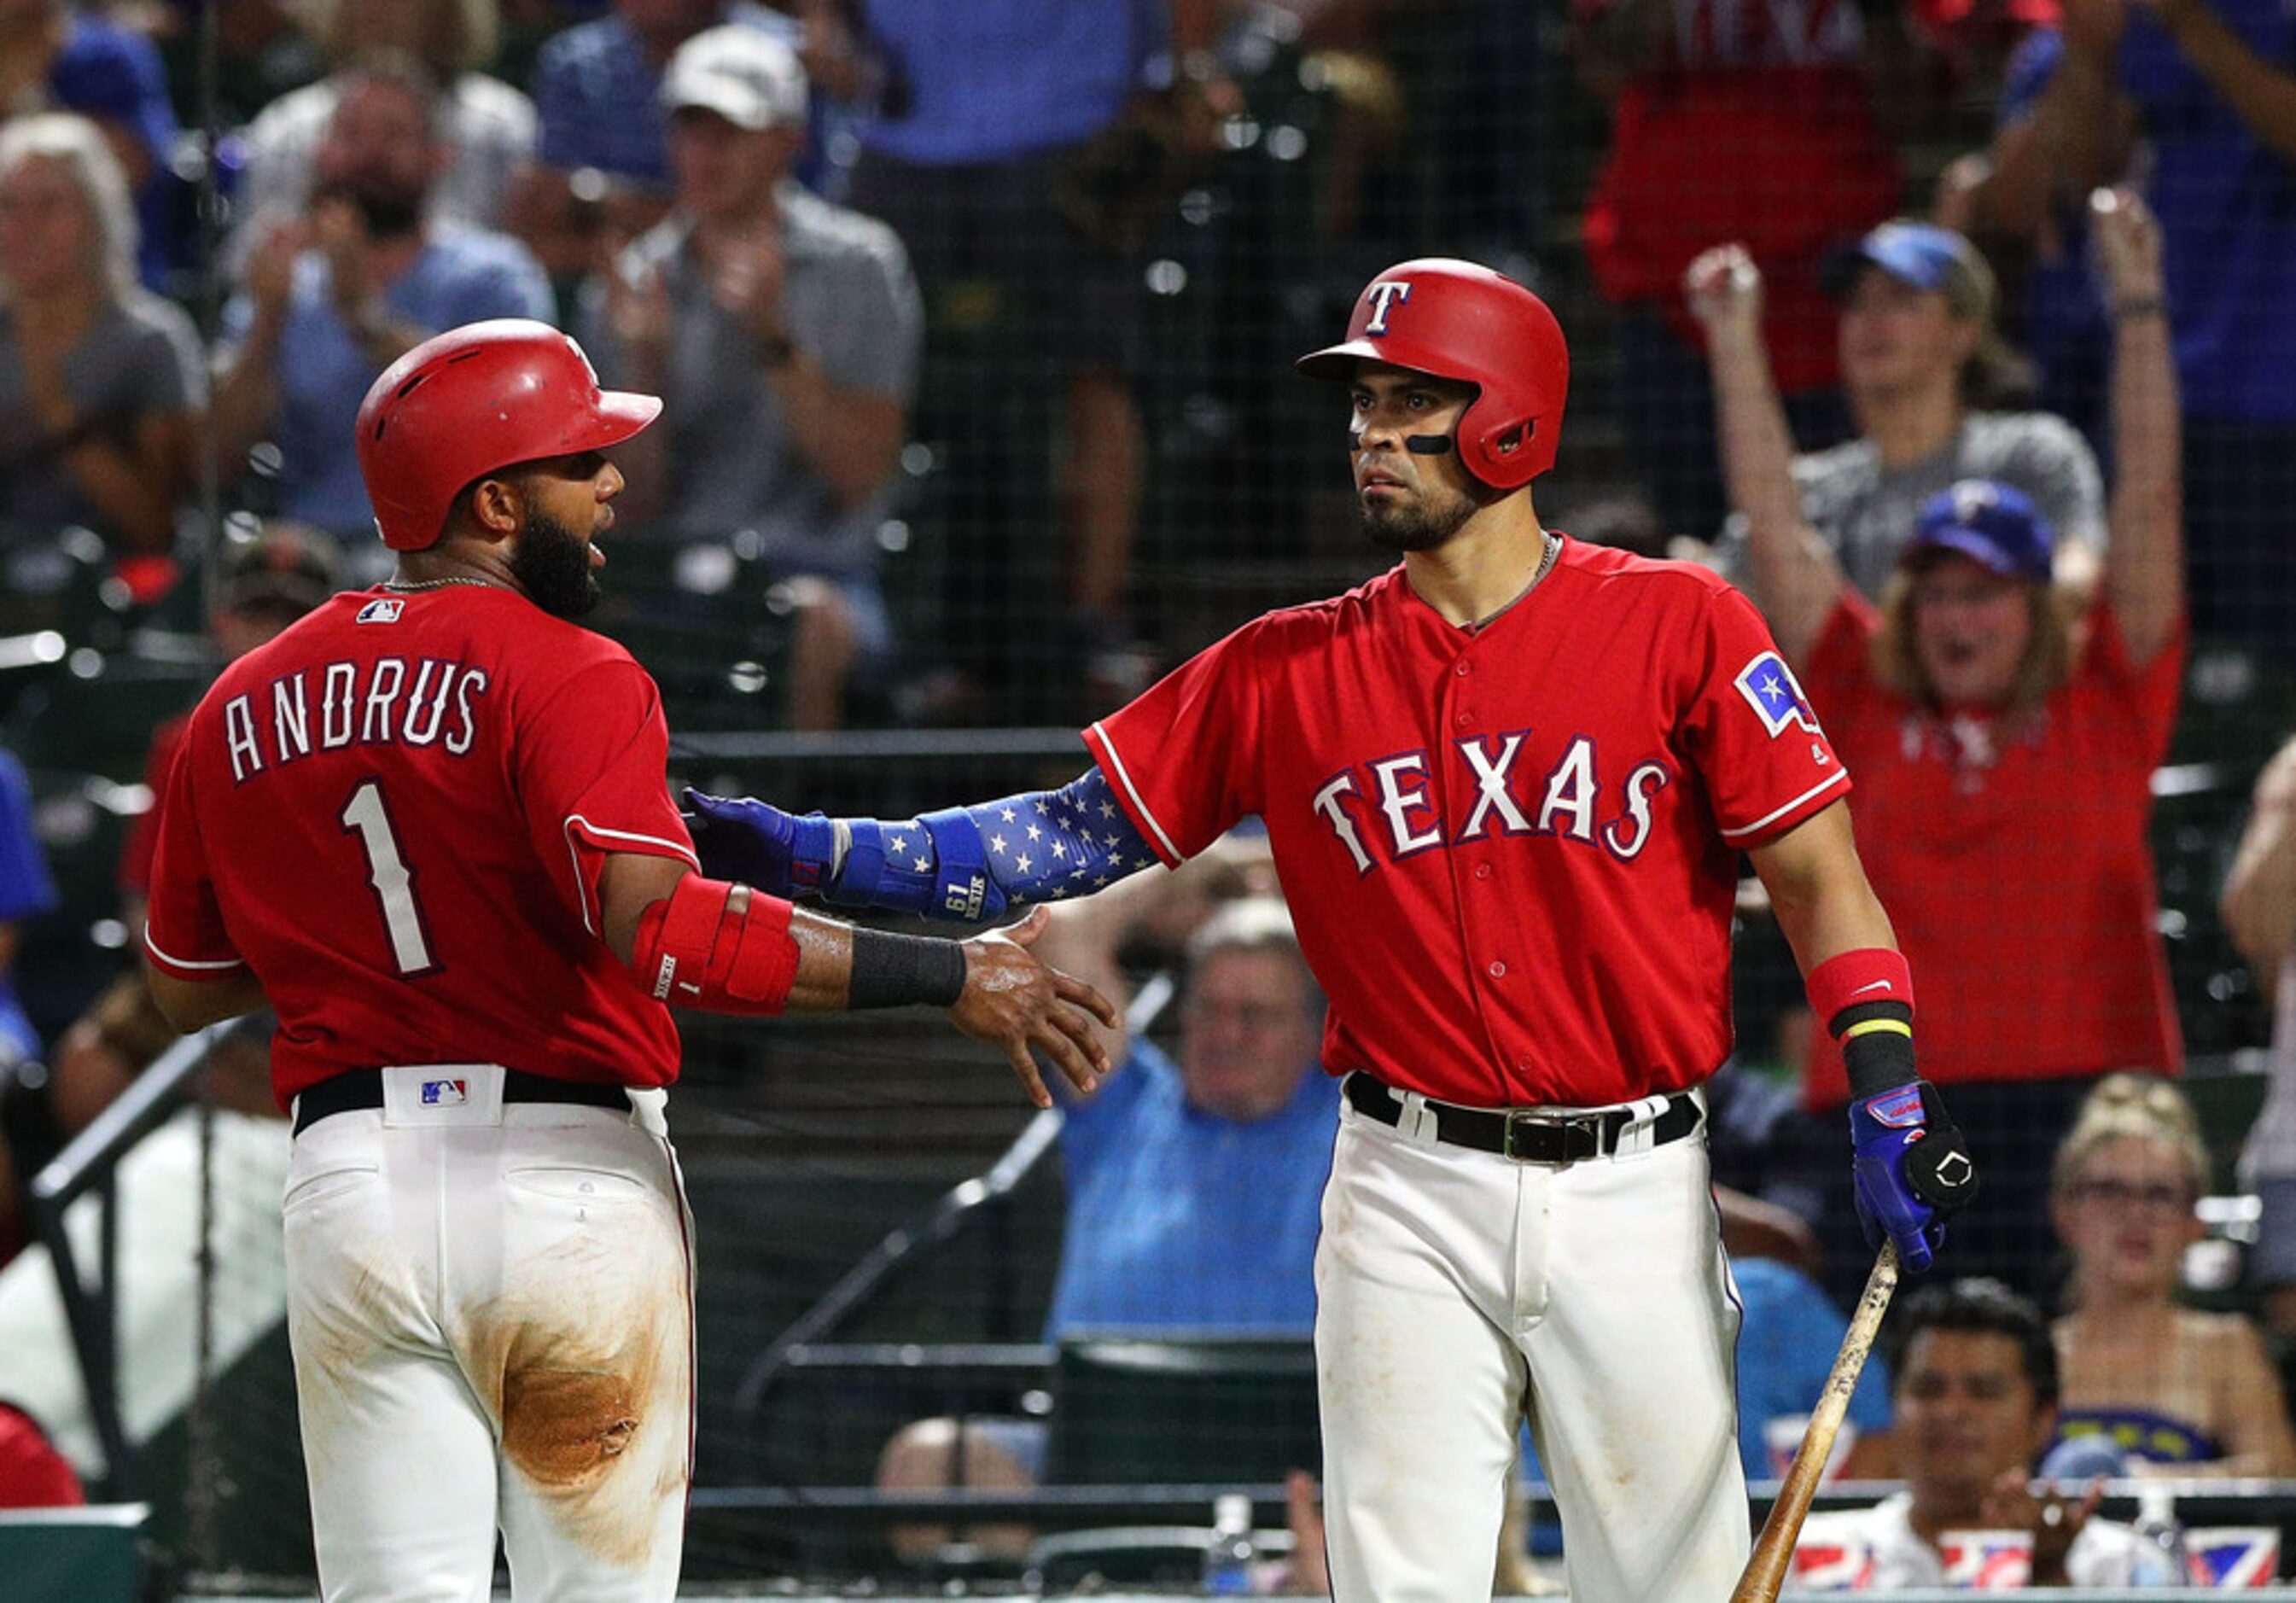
{"points": [[1877, 1046], [900, 971]]}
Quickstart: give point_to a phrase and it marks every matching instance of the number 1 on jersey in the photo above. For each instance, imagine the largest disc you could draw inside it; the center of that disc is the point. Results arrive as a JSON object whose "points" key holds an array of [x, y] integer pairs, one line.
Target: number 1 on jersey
{"points": [[389, 876]]}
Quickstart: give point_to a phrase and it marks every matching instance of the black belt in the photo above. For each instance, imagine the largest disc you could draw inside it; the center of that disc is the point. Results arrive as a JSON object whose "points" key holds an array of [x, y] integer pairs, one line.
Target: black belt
{"points": [[1529, 1135], [363, 1088]]}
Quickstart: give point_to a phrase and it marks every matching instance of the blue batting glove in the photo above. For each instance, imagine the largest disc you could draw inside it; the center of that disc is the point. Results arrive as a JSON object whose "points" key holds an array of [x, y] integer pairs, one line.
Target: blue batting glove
{"points": [[782, 854], [1910, 1168]]}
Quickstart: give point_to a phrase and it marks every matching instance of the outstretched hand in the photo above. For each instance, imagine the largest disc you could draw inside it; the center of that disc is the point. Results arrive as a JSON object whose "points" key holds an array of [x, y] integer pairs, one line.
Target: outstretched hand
{"points": [[1014, 1001], [757, 843], [2128, 246], [1724, 288]]}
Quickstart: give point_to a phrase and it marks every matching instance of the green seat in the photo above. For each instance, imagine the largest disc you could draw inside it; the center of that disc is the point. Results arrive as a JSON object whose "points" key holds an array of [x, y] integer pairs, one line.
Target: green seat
{"points": [[84, 1555]]}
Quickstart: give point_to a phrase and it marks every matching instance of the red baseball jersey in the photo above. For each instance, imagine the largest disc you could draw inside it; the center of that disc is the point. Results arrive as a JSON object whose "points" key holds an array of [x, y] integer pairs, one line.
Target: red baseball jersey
{"points": [[2016, 862], [1511, 852], [395, 815]]}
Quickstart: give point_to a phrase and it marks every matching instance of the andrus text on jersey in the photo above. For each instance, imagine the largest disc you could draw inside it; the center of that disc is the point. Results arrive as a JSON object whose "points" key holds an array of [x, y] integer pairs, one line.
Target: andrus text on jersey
{"points": [[391, 700]]}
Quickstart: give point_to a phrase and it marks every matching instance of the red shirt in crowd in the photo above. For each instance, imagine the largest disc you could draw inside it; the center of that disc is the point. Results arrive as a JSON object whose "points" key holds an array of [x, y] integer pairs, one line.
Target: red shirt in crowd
{"points": [[2013, 860], [1761, 128]]}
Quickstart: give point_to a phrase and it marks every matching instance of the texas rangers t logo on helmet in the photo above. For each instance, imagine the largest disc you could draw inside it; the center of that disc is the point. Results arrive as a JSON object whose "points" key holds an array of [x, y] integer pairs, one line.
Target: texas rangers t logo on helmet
{"points": [[1383, 296]]}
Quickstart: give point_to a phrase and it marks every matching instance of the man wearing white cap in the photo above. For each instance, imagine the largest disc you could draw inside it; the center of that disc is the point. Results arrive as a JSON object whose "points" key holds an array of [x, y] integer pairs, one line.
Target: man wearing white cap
{"points": [[785, 334]]}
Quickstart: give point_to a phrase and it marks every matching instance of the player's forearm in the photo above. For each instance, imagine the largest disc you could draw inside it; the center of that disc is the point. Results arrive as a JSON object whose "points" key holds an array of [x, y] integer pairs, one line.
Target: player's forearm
{"points": [[965, 864], [1818, 888]]}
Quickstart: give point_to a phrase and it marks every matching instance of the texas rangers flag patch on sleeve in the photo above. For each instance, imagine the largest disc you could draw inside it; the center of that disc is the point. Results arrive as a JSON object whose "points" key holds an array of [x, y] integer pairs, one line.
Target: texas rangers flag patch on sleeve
{"points": [[1776, 695]]}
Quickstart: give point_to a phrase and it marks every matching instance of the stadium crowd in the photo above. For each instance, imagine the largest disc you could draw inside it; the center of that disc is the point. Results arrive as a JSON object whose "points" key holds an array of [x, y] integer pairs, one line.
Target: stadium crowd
{"points": [[1955, 334]]}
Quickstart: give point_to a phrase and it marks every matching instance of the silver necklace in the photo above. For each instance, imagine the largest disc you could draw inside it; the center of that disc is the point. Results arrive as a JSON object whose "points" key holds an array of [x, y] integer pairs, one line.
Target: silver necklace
{"points": [[1551, 546], [434, 584]]}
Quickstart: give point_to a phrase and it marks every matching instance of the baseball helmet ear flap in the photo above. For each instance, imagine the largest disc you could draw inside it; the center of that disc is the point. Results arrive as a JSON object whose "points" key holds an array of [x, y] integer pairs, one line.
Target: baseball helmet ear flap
{"points": [[1460, 320], [473, 401]]}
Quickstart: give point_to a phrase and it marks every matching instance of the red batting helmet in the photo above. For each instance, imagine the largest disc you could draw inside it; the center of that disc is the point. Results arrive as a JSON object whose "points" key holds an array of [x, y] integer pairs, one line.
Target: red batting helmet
{"points": [[1457, 320], [473, 401]]}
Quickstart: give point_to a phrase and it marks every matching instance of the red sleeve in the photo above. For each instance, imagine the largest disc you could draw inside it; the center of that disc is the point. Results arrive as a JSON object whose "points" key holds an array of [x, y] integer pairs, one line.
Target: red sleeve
{"points": [[593, 767], [1839, 672], [2150, 693], [1179, 758], [1750, 730], [183, 933]]}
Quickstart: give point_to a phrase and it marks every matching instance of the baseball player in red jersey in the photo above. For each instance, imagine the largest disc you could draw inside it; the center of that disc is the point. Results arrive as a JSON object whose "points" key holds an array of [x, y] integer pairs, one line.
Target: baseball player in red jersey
{"points": [[1508, 784], [430, 826]]}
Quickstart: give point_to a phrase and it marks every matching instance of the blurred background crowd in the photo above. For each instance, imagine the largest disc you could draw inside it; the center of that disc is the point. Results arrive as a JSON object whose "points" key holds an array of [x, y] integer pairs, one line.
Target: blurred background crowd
{"points": [[1956, 332]]}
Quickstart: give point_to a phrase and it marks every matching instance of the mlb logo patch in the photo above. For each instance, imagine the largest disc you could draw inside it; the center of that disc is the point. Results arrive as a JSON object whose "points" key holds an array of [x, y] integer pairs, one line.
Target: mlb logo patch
{"points": [[1776, 695], [446, 1093], [382, 609]]}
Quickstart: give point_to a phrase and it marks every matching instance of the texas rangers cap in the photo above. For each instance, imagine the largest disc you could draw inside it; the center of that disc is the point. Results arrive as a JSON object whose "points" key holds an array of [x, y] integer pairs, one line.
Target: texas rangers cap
{"points": [[1989, 523], [1920, 254], [747, 76]]}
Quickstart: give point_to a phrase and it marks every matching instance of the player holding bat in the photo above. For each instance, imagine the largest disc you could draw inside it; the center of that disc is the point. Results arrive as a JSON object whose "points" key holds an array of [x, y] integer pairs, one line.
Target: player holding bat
{"points": [[1508, 784]]}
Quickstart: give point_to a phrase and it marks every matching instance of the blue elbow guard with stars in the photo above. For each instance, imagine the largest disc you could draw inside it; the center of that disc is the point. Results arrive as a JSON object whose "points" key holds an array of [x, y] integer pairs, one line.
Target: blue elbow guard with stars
{"points": [[962, 863]]}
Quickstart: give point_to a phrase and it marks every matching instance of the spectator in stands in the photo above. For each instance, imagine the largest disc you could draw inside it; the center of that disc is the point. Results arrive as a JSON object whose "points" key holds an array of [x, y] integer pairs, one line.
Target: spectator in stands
{"points": [[1976, 1395], [2146, 1381], [1195, 1184], [601, 174], [102, 383], [2259, 910], [2003, 728], [1923, 369], [485, 130], [2206, 86], [269, 579], [1008, 153], [785, 332], [262, 52], [56, 56], [335, 295], [26, 891], [1752, 122]]}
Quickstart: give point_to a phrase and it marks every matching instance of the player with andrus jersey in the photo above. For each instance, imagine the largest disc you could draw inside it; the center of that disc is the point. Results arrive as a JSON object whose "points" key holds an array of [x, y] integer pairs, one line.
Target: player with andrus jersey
{"points": [[429, 824], [1508, 784]]}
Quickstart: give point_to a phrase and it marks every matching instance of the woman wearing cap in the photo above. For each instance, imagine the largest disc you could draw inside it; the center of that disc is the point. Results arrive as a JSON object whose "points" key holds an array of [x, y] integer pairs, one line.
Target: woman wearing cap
{"points": [[2002, 727]]}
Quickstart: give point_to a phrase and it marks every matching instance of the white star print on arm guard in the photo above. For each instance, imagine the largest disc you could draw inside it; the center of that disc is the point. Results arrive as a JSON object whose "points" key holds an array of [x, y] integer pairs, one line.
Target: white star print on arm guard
{"points": [[973, 863]]}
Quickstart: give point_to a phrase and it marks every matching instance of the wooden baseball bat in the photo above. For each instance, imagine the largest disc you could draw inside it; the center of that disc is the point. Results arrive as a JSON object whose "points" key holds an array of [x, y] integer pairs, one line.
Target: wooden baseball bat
{"points": [[1773, 1554]]}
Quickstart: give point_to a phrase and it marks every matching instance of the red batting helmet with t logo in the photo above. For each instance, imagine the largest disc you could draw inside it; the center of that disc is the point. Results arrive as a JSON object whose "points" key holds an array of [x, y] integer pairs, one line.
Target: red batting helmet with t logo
{"points": [[473, 401], [1456, 320]]}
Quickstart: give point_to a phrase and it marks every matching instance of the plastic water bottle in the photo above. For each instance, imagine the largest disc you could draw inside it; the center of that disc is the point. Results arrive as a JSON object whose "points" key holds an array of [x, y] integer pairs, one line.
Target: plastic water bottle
{"points": [[2158, 1557], [1229, 1560]]}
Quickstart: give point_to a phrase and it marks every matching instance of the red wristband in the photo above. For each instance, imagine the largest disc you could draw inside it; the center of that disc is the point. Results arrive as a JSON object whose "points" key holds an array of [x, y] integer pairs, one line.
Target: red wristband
{"points": [[1870, 973]]}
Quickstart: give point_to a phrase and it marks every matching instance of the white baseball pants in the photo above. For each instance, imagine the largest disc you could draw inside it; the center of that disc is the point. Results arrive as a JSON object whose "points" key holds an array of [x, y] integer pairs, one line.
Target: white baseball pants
{"points": [[1458, 1291], [490, 1308]]}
